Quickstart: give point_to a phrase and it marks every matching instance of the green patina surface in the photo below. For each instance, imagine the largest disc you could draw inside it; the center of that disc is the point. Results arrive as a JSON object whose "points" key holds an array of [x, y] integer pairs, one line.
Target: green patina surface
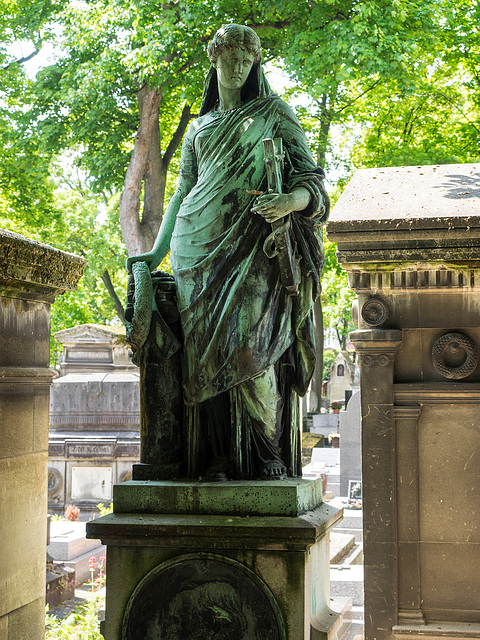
{"points": [[216, 531], [264, 498]]}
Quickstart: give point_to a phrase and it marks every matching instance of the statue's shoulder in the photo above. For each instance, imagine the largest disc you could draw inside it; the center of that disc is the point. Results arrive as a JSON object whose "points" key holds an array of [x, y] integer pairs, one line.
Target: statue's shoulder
{"points": [[197, 124], [284, 109]]}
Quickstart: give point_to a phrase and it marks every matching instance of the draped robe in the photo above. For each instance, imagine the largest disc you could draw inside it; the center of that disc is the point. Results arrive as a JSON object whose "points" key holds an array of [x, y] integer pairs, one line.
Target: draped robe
{"points": [[237, 318]]}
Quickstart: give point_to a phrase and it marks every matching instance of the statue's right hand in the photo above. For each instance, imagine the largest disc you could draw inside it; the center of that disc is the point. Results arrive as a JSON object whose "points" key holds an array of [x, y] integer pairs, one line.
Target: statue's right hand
{"points": [[149, 258]]}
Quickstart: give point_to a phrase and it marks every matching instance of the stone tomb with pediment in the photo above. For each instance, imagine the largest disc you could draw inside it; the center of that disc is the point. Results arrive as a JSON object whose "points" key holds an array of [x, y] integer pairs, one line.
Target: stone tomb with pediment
{"points": [[94, 418]]}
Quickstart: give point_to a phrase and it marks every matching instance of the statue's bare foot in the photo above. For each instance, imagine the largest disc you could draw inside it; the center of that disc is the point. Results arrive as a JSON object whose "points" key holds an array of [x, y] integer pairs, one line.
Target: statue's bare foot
{"points": [[273, 470]]}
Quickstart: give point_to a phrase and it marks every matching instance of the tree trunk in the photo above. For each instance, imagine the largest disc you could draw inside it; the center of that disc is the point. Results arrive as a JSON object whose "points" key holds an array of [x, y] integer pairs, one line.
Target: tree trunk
{"points": [[148, 167], [154, 183], [107, 281], [140, 237], [325, 105]]}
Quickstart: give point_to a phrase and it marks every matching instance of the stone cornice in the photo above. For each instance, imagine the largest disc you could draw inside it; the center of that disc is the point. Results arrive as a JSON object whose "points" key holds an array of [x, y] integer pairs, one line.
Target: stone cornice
{"points": [[29, 269], [436, 393], [27, 375], [421, 276], [90, 333], [409, 214]]}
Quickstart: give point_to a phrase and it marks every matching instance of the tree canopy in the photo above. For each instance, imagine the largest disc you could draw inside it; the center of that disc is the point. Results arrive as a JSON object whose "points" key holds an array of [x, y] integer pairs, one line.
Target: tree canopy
{"points": [[395, 81]]}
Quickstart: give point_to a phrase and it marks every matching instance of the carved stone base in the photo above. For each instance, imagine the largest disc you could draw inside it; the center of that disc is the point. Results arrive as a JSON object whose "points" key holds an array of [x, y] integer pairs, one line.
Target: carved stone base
{"points": [[245, 570]]}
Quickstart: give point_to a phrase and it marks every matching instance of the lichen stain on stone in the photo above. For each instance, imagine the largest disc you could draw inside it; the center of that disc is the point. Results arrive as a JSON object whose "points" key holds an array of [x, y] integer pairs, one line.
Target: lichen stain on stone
{"points": [[6, 301]]}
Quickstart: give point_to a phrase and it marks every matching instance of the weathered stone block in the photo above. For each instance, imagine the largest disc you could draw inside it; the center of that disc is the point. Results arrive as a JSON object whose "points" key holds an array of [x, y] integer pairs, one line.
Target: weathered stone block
{"points": [[31, 275], [269, 498], [288, 553]]}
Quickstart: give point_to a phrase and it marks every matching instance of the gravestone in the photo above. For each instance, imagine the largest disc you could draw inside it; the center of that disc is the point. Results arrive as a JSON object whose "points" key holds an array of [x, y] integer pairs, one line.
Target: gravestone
{"points": [[31, 276], [350, 443], [70, 547], [325, 423], [409, 238]]}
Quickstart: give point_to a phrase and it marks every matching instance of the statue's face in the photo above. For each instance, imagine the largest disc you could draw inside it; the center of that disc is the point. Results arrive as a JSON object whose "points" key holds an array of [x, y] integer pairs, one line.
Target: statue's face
{"points": [[233, 67]]}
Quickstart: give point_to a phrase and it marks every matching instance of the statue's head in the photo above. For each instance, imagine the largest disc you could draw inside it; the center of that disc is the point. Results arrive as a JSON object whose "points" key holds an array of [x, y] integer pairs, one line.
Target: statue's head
{"points": [[228, 38], [234, 35]]}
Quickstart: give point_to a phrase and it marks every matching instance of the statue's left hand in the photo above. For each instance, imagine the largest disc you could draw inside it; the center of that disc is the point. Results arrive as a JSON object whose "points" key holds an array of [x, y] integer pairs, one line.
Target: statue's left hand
{"points": [[273, 206], [150, 258]]}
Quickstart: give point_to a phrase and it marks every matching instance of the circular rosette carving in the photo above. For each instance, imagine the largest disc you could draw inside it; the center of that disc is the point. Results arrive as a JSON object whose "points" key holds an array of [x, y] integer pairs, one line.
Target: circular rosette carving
{"points": [[374, 312], [454, 356], [54, 479], [383, 360]]}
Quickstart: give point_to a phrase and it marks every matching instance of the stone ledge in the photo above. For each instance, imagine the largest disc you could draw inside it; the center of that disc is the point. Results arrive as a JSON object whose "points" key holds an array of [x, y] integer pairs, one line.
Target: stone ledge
{"points": [[424, 196], [29, 267], [27, 375], [262, 498], [408, 214], [443, 630], [220, 532]]}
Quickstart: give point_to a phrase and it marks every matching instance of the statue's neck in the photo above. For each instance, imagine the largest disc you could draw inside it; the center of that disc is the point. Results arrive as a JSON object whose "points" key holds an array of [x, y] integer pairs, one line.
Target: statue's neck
{"points": [[229, 98]]}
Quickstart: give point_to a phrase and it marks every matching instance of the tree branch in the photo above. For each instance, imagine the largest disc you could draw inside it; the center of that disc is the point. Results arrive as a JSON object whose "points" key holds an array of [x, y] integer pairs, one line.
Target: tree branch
{"points": [[37, 46], [455, 106], [280, 24], [149, 100], [360, 95], [113, 294], [178, 135]]}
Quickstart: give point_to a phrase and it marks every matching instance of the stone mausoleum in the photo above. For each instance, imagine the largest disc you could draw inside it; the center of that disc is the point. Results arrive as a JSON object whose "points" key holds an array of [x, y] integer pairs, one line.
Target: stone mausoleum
{"points": [[341, 377], [409, 238], [94, 418]]}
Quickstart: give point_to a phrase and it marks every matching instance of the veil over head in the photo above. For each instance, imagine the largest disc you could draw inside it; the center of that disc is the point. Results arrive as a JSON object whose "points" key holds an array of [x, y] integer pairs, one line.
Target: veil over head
{"points": [[256, 85]]}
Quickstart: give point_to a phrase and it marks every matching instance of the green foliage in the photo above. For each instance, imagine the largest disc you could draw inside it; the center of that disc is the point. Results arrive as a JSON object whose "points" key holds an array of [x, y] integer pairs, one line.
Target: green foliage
{"points": [[93, 232], [88, 227], [329, 356], [105, 511], [25, 186], [337, 297], [82, 623]]}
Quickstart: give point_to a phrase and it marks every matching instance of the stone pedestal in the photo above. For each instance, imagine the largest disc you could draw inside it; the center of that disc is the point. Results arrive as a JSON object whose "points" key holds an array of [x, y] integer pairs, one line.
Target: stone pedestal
{"points": [[31, 275], [409, 239], [254, 555]]}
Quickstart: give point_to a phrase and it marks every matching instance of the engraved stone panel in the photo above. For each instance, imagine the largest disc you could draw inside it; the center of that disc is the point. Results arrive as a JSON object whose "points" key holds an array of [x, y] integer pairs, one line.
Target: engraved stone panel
{"points": [[91, 483], [202, 596]]}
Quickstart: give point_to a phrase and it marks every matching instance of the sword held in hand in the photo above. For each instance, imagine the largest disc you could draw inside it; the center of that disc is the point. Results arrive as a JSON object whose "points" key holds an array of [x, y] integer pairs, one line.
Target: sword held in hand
{"points": [[279, 242]]}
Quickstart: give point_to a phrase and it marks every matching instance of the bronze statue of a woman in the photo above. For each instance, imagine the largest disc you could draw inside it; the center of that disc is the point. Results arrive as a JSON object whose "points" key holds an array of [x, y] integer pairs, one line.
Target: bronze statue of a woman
{"points": [[248, 344]]}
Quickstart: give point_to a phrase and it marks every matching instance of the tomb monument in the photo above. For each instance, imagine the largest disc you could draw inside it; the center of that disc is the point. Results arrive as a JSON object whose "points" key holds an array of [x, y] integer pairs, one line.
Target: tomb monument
{"points": [[409, 238]]}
